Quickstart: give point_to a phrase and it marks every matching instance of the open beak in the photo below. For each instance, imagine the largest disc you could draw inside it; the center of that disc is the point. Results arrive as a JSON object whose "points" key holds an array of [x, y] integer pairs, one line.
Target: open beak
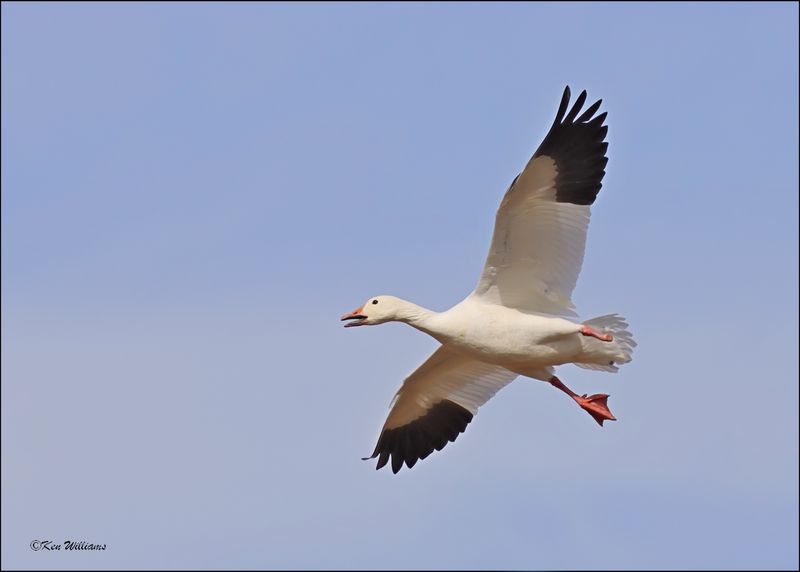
{"points": [[355, 315]]}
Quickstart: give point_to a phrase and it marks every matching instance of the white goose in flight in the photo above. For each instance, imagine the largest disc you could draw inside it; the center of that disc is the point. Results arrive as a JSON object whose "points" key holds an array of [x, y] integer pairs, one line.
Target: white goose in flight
{"points": [[519, 320]]}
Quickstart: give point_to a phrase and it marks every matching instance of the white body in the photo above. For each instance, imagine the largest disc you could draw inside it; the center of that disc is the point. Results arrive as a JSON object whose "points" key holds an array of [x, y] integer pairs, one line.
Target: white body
{"points": [[522, 342], [506, 336]]}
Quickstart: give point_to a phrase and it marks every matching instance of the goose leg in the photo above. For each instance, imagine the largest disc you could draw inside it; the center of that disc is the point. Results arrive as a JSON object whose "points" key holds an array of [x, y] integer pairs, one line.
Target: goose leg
{"points": [[595, 405], [589, 331]]}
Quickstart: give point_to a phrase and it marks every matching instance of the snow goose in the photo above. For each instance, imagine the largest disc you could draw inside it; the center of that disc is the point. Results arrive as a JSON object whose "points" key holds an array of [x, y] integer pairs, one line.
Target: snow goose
{"points": [[520, 319]]}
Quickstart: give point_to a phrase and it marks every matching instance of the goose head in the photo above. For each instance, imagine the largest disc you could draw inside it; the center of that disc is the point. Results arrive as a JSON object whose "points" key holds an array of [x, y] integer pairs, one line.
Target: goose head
{"points": [[376, 310]]}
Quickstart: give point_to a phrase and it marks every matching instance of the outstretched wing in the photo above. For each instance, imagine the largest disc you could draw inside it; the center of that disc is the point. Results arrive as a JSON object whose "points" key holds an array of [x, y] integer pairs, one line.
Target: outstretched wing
{"points": [[435, 404], [540, 228]]}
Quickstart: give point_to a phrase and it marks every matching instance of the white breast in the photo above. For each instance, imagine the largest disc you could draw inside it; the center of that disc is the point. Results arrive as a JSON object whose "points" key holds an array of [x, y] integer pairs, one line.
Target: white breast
{"points": [[506, 336]]}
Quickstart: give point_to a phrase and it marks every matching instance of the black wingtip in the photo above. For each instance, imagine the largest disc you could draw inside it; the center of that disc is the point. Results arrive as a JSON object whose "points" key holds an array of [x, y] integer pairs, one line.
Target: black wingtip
{"points": [[397, 463], [576, 108], [587, 115], [407, 444], [576, 142], [382, 460], [598, 121], [562, 108], [374, 454]]}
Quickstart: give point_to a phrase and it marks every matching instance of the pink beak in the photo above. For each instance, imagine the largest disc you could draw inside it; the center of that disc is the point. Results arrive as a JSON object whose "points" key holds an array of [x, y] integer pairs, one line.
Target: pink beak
{"points": [[356, 315]]}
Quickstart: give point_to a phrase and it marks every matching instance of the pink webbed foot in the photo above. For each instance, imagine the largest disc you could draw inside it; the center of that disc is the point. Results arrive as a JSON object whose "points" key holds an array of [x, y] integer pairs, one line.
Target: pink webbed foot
{"points": [[588, 331], [595, 405]]}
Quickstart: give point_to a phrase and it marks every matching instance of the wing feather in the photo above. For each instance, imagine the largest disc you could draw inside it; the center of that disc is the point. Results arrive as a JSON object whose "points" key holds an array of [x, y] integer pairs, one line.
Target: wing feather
{"points": [[540, 228], [434, 405]]}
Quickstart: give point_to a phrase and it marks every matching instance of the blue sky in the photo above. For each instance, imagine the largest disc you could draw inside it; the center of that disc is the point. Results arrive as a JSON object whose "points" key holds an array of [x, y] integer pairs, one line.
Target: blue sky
{"points": [[193, 194]]}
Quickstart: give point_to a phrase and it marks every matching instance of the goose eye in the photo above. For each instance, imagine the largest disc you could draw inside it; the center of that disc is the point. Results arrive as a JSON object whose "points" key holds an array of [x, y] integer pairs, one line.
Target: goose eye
{"points": [[374, 301]]}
